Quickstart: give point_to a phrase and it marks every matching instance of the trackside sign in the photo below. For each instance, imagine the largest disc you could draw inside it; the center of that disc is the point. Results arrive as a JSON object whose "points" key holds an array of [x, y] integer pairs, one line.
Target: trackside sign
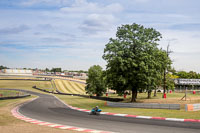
{"points": [[187, 81], [192, 107]]}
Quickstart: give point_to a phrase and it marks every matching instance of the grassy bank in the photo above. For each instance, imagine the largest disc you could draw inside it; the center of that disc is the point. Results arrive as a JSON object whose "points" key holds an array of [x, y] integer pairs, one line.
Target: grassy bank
{"points": [[26, 85], [172, 98], [66, 86], [87, 103], [10, 93], [6, 117]]}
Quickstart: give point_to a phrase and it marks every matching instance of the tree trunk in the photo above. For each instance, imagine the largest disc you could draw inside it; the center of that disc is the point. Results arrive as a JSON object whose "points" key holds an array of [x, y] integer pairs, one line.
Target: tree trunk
{"points": [[155, 94], [149, 94], [134, 95], [164, 85]]}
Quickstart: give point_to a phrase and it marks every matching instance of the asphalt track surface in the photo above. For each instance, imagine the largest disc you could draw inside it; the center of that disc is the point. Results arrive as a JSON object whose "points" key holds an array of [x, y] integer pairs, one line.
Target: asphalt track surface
{"points": [[50, 109]]}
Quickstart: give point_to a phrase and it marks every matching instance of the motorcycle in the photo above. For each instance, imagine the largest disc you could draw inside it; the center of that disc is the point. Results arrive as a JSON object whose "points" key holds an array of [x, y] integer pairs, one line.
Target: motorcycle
{"points": [[95, 112]]}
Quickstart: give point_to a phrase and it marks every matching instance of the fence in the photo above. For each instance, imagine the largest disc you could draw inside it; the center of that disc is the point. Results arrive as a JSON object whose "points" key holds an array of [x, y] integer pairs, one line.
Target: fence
{"points": [[145, 105]]}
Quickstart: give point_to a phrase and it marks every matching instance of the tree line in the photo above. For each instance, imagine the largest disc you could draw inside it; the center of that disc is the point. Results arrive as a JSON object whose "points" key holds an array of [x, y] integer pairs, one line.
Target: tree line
{"points": [[186, 75], [3, 67]]}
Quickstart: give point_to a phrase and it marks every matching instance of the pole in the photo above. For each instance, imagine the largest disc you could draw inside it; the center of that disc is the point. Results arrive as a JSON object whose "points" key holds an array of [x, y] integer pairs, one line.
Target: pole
{"points": [[185, 93], [165, 71]]}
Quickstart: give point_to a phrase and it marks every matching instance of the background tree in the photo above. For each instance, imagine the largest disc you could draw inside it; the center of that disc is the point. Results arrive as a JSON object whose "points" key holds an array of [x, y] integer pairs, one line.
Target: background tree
{"points": [[56, 70], [128, 58], [47, 70], [95, 83], [187, 75], [3, 67], [170, 85], [154, 69]]}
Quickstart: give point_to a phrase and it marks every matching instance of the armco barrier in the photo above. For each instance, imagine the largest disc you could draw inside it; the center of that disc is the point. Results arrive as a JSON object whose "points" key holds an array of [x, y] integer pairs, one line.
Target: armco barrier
{"points": [[93, 97], [42, 90], [192, 107], [145, 105], [14, 97], [28, 79], [86, 96]]}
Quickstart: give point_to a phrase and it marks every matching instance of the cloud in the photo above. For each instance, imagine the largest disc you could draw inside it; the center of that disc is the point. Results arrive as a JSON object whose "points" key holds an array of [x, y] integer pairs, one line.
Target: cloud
{"points": [[45, 26], [82, 6], [52, 39], [97, 22], [186, 26], [45, 2], [14, 30], [141, 1]]}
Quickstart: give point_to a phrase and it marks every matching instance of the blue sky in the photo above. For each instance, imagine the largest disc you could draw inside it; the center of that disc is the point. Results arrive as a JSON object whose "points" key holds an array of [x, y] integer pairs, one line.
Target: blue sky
{"points": [[72, 33]]}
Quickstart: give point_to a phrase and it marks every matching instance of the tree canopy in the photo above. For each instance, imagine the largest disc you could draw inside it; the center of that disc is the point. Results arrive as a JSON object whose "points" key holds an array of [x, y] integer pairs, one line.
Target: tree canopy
{"points": [[133, 59], [95, 82]]}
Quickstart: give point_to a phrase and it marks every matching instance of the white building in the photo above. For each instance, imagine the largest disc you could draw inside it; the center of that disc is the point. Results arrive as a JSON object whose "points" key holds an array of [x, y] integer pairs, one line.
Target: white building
{"points": [[17, 72]]}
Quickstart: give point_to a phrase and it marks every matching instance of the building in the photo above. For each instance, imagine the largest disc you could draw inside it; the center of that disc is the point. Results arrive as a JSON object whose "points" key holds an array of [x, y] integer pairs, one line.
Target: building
{"points": [[16, 72]]}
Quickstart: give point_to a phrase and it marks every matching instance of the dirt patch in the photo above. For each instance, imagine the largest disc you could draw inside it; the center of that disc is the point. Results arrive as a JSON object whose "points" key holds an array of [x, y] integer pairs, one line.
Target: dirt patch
{"points": [[9, 124]]}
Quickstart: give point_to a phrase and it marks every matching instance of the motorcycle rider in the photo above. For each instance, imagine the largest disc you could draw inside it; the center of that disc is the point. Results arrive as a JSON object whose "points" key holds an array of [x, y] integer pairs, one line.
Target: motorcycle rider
{"points": [[96, 108], [95, 111]]}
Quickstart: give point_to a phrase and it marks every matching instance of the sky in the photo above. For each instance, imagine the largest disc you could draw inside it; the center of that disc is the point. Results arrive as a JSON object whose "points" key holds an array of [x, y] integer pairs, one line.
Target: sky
{"points": [[72, 34]]}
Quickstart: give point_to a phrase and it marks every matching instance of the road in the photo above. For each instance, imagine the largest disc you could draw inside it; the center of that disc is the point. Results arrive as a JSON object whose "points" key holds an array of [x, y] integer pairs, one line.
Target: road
{"points": [[50, 109]]}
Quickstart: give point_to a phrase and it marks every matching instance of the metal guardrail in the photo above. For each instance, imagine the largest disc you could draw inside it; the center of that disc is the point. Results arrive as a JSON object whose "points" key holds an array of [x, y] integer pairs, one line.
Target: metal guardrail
{"points": [[14, 97], [145, 105], [27, 79]]}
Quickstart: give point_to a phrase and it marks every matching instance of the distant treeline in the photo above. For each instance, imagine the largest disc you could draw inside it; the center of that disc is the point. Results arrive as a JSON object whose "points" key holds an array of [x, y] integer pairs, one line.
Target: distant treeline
{"points": [[3, 67], [186, 75], [60, 70]]}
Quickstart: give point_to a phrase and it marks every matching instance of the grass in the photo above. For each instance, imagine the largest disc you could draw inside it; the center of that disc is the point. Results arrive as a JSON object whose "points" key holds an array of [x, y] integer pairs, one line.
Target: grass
{"points": [[173, 98], [10, 93], [6, 118], [87, 103], [26, 85], [66, 86]]}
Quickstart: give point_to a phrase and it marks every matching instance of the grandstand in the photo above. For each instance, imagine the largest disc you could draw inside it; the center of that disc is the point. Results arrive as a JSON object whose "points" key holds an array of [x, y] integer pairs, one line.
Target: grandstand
{"points": [[16, 72]]}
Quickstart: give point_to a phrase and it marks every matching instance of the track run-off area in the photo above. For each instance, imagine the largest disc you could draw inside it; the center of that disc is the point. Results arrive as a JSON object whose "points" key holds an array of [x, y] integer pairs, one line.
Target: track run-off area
{"points": [[50, 111]]}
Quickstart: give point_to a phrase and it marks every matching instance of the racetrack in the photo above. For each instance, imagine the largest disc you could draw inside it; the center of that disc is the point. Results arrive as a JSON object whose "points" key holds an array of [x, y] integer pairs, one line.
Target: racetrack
{"points": [[50, 109]]}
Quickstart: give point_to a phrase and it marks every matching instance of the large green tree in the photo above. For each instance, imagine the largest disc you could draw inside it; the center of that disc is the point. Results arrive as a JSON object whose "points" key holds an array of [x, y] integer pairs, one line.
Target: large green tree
{"points": [[131, 58], [95, 83]]}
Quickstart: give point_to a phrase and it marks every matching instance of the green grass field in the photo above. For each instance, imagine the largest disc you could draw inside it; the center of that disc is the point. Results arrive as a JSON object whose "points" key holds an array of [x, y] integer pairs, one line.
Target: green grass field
{"points": [[26, 85], [10, 93], [171, 98], [86, 103], [66, 86]]}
